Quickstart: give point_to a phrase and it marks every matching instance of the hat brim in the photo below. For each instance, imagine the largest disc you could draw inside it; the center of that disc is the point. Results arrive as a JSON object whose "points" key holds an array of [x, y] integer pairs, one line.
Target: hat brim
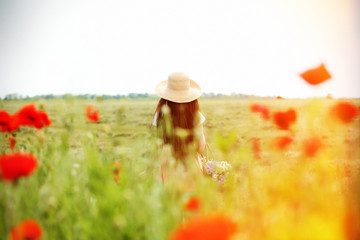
{"points": [[179, 96]]}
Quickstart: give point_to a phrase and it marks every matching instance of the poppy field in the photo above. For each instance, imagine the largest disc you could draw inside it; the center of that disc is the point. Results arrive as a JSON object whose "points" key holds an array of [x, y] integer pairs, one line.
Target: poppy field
{"points": [[87, 169]]}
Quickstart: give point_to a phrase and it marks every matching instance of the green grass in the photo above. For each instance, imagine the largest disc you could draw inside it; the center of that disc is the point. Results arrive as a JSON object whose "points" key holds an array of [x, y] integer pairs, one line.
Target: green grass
{"points": [[73, 194]]}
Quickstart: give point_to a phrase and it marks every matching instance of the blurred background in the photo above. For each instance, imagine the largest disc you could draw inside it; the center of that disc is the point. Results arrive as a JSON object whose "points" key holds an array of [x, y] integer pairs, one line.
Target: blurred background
{"points": [[116, 47]]}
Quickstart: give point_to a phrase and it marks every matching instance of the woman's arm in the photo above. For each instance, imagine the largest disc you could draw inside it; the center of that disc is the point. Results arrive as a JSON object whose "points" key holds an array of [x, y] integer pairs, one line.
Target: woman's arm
{"points": [[162, 172], [201, 139]]}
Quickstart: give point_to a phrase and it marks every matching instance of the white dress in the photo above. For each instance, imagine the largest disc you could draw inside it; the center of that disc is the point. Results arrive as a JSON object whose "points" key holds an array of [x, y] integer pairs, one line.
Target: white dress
{"points": [[198, 156]]}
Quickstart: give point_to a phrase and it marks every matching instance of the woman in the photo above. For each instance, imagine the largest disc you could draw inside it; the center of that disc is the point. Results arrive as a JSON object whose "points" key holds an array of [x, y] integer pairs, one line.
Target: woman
{"points": [[178, 118]]}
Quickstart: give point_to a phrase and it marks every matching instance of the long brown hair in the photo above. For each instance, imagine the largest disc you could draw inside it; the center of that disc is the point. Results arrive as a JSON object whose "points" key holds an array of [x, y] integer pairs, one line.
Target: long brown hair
{"points": [[183, 116]]}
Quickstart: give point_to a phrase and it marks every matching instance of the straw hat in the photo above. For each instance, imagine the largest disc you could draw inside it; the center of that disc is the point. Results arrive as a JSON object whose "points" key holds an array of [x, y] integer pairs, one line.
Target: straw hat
{"points": [[178, 88]]}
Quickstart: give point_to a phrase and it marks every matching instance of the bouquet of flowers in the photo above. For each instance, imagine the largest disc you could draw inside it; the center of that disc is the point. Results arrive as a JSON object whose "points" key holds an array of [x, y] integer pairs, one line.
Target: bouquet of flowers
{"points": [[218, 170]]}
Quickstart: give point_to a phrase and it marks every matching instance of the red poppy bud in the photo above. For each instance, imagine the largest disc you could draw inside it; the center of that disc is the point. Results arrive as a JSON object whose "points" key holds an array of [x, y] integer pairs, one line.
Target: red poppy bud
{"points": [[116, 170], [12, 142], [192, 204], [92, 114]]}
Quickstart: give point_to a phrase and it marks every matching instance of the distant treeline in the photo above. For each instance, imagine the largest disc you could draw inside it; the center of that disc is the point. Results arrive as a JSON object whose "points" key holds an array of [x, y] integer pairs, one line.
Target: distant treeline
{"points": [[15, 96]]}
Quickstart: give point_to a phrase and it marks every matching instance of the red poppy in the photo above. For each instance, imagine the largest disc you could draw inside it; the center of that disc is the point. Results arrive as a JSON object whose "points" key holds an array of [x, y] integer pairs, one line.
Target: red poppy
{"points": [[316, 75], [256, 147], [4, 120], [116, 170], [30, 116], [209, 227], [346, 112], [7, 122], [12, 142], [284, 119], [263, 110], [27, 229], [192, 204], [282, 142], [92, 114], [16, 165], [26, 116], [312, 146]]}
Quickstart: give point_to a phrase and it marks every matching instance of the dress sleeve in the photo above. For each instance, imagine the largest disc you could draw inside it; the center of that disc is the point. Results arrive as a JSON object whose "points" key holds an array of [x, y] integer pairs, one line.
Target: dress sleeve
{"points": [[202, 118], [154, 121]]}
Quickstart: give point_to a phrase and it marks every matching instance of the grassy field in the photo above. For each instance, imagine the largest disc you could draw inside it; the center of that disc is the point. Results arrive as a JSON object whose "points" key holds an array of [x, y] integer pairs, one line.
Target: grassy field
{"points": [[270, 194]]}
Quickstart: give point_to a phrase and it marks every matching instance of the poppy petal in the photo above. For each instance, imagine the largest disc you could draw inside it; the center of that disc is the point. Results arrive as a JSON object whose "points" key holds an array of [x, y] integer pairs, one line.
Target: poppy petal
{"points": [[316, 75]]}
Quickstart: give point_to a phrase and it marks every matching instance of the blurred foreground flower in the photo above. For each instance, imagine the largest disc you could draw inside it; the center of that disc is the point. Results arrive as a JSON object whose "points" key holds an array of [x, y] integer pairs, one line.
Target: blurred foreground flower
{"points": [[16, 165], [316, 75], [284, 119], [263, 110], [346, 112], [26, 230], [192, 204], [209, 227], [92, 114]]}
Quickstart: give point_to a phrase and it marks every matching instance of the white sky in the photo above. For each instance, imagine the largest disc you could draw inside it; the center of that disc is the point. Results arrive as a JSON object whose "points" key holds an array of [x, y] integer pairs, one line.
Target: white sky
{"points": [[115, 47]]}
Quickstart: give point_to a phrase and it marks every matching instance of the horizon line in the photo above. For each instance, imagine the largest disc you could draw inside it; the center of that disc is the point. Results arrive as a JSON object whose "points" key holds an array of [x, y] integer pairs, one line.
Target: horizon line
{"points": [[134, 95]]}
